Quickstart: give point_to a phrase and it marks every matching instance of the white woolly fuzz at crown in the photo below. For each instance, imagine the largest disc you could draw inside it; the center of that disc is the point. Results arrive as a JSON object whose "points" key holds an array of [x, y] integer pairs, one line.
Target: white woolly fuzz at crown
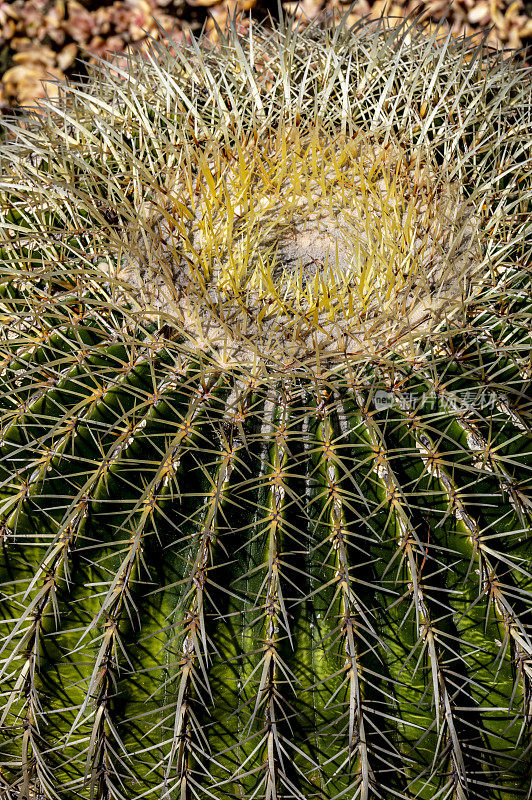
{"points": [[296, 243]]}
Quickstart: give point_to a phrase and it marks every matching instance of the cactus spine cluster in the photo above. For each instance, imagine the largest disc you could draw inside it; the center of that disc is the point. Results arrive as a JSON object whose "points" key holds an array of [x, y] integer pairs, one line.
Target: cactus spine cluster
{"points": [[266, 462]]}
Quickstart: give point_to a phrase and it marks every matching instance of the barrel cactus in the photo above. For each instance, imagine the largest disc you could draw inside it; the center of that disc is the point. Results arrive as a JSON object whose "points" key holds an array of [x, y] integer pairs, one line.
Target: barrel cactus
{"points": [[266, 461]]}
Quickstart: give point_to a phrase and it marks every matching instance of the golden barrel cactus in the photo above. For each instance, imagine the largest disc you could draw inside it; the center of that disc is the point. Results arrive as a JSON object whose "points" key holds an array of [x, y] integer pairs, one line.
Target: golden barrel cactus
{"points": [[266, 463]]}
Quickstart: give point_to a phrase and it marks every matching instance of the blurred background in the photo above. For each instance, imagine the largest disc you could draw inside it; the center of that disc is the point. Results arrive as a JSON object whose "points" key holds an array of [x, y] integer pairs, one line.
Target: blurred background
{"points": [[45, 40]]}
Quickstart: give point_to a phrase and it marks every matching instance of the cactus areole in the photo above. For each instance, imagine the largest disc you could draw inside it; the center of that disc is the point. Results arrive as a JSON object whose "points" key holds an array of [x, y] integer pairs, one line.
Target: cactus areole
{"points": [[266, 458]]}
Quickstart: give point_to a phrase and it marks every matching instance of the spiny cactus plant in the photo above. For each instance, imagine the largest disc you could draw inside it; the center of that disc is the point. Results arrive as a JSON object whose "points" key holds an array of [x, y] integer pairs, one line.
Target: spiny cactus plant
{"points": [[266, 460]]}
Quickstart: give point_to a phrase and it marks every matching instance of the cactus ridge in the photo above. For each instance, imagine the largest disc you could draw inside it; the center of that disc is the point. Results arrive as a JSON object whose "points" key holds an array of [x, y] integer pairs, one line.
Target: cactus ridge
{"points": [[266, 413]]}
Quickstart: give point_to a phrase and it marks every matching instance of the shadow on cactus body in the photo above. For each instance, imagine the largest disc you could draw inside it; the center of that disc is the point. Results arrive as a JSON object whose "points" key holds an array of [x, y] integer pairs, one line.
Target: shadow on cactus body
{"points": [[266, 458]]}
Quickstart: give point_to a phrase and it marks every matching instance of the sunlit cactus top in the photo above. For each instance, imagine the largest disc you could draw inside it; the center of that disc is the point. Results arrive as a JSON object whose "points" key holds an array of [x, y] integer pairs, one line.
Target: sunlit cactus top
{"points": [[288, 194], [266, 424]]}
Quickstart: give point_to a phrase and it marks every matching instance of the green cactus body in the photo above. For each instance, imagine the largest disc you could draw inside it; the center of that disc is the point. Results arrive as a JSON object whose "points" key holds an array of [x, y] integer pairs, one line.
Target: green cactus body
{"points": [[266, 465]]}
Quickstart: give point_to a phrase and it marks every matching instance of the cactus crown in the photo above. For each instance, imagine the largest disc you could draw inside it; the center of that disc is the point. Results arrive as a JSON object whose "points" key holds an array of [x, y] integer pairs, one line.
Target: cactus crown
{"points": [[287, 194]]}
